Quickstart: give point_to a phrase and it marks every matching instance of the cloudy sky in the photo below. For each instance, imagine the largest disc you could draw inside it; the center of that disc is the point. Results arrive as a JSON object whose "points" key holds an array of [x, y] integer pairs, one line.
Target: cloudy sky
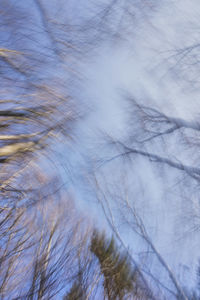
{"points": [[150, 58], [131, 70]]}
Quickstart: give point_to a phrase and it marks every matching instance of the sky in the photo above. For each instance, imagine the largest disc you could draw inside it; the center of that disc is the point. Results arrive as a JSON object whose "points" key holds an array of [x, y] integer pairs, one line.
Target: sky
{"points": [[139, 51], [147, 64]]}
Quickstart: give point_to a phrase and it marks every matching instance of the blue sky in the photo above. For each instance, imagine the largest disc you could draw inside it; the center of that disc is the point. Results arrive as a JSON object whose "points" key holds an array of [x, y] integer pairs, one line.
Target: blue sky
{"points": [[146, 65], [135, 51]]}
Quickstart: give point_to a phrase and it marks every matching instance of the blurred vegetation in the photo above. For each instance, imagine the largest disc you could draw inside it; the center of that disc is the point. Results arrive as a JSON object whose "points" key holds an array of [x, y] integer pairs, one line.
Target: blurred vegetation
{"points": [[45, 242], [48, 250]]}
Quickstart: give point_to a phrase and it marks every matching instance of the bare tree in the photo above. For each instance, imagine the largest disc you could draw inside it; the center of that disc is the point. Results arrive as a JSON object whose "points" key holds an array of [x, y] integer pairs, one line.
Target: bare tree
{"points": [[39, 53], [150, 136], [39, 240]]}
